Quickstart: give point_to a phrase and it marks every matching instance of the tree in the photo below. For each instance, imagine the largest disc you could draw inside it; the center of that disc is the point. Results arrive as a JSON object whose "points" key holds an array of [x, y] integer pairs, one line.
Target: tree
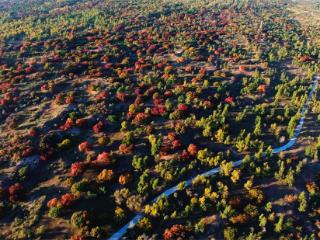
{"points": [[192, 149], [262, 221], [84, 146], [120, 196], [257, 129], [144, 224], [240, 218], [80, 219], [103, 158], [256, 194], [226, 168], [292, 124], [229, 233], [98, 127], [55, 212], [282, 53], [199, 227], [67, 199], [268, 207], [271, 57], [119, 214], [128, 138], [235, 175], [105, 175], [134, 203], [15, 191], [139, 163], [279, 175], [312, 188], [76, 168], [125, 178], [289, 179], [248, 185], [302, 202], [177, 231], [155, 144], [207, 131], [220, 135], [279, 225]]}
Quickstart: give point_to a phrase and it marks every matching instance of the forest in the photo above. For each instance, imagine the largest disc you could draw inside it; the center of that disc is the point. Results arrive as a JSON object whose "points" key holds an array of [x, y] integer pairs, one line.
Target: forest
{"points": [[167, 119]]}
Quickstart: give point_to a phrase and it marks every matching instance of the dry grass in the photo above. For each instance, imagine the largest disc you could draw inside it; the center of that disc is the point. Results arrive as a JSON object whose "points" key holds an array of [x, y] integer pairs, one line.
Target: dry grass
{"points": [[307, 12]]}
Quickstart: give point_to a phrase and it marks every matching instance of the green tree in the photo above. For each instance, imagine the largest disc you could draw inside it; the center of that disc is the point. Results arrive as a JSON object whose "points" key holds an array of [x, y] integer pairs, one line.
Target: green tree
{"points": [[229, 233], [139, 162], [279, 225], [226, 168], [289, 179], [155, 144], [235, 175], [220, 135], [302, 202], [262, 221], [257, 129]]}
